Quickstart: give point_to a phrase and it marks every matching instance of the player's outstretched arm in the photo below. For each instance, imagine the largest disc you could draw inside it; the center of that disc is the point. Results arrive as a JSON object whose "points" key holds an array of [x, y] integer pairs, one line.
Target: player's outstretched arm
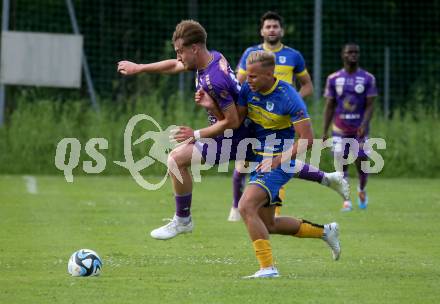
{"points": [[170, 66]]}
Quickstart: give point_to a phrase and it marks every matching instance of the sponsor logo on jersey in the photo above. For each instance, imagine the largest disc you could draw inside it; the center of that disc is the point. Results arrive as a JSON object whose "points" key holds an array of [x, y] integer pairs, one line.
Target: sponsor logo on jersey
{"points": [[339, 85]]}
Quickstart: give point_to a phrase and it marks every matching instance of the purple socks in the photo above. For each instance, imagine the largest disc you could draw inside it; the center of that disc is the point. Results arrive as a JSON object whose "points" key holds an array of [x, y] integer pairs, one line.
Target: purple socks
{"points": [[183, 205], [238, 182], [363, 177], [310, 173]]}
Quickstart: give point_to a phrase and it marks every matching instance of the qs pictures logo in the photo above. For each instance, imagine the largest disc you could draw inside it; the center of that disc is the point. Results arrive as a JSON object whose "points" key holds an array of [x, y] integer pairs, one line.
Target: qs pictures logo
{"points": [[158, 152]]}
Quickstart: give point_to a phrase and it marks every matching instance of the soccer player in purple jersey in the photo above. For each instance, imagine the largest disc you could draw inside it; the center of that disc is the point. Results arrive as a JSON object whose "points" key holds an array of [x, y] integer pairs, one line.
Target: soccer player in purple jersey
{"points": [[350, 94], [289, 66], [214, 77]]}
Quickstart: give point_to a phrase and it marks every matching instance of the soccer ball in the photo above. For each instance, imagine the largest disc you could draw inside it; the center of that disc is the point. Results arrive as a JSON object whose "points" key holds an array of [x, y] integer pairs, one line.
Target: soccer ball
{"points": [[84, 263]]}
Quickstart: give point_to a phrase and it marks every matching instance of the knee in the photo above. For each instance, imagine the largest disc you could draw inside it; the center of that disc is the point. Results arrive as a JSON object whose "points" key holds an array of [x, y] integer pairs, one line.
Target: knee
{"points": [[242, 209], [246, 210], [175, 160], [271, 228]]}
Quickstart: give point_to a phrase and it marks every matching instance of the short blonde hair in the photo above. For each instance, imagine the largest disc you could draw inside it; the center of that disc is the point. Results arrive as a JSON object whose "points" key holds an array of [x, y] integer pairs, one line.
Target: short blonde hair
{"points": [[191, 32], [267, 59]]}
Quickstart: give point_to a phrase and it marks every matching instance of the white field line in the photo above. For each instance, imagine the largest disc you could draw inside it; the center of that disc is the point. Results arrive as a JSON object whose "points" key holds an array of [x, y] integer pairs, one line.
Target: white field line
{"points": [[31, 184]]}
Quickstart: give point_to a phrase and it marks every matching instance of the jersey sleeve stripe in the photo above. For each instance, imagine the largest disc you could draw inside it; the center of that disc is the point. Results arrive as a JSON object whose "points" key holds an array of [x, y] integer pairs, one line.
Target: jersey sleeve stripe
{"points": [[305, 72], [304, 119], [227, 106]]}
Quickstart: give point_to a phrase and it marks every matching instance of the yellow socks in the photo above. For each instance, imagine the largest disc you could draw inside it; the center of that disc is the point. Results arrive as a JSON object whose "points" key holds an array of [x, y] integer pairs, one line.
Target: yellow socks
{"points": [[263, 251], [309, 230]]}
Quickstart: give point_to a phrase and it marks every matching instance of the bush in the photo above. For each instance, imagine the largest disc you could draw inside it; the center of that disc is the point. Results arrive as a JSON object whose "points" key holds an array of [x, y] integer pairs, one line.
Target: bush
{"points": [[28, 143]]}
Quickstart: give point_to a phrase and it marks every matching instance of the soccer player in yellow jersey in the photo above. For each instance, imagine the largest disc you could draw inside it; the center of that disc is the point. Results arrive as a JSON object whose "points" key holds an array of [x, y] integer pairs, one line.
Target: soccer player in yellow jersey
{"points": [[289, 66], [270, 107], [289, 63], [257, 205]]}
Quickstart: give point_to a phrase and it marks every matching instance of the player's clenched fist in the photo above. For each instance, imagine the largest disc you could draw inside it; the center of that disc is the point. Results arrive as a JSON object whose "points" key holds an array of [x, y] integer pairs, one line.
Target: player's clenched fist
{"points": [[182, 133], [204, 100], [128, 67]]}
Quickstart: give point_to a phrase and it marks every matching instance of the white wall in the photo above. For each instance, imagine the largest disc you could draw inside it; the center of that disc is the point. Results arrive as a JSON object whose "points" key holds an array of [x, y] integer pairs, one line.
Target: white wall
{"points": [[41, 59]]}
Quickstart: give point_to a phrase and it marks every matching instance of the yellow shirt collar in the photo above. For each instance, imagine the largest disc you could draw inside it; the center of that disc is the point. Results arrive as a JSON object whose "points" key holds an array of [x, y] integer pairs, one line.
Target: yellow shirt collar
{"points": [[273, 51], [272, 88]]}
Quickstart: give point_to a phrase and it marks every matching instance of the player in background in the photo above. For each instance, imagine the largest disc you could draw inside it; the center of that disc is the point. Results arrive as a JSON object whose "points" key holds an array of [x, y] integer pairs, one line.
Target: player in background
{"points": [[350, 94], [215, 77], [289, 67], [257, 204]]}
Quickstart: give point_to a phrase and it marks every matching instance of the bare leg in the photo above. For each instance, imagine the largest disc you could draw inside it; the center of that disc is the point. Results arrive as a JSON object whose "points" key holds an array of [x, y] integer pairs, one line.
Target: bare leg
{"points": [[251, 201], [281, 224], [180, 159]]}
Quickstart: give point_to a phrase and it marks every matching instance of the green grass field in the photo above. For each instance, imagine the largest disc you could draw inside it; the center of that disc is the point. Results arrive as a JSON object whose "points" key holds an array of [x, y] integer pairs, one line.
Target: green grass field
{"points": [[390, 253]]}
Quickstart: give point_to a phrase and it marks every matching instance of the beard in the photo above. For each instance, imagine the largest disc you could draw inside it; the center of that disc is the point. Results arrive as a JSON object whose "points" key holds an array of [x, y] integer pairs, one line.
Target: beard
{"points": [[272, 40]]}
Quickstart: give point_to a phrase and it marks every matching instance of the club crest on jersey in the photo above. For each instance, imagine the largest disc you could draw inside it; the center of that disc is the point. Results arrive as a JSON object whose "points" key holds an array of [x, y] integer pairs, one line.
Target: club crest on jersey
{"points": [[269, 106], [359, 88], [282, 59]]}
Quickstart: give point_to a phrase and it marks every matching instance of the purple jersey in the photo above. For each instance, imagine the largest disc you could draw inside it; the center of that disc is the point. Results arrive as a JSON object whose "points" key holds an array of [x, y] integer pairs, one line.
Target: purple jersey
{"points": [[350, 92], [219, 81]]}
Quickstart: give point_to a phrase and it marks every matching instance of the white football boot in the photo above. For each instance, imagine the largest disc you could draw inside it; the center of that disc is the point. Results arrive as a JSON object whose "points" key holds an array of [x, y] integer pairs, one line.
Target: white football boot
{"points": [[346, 206], [234, 215], [172, 229], [269, 272], [331, 237], [337, 182]]}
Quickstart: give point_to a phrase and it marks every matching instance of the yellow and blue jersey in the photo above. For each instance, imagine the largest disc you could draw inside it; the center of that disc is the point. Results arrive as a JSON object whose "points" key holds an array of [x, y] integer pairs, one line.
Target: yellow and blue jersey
{"points": [[289, 63], [271, 115]]}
